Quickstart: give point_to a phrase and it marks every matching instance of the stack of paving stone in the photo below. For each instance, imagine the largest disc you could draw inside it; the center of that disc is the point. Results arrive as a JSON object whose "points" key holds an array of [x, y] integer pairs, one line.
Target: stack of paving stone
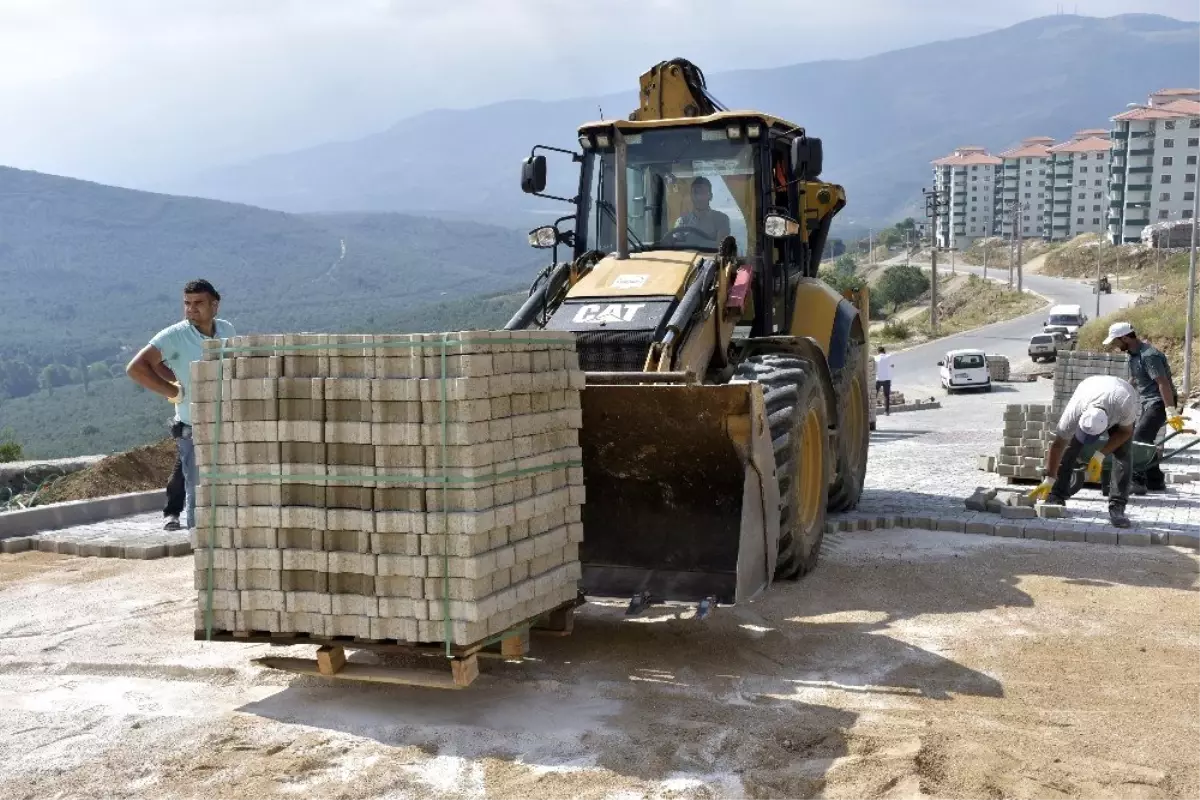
{"points": [[1073, 366], [359, 536], [897, 398], [998, 366], [1028, 430]]}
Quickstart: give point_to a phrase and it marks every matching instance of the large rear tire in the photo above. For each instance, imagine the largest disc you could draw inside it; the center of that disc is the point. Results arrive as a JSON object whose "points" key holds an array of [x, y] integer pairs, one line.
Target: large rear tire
{"points": [[853, 430], [796, 411]]}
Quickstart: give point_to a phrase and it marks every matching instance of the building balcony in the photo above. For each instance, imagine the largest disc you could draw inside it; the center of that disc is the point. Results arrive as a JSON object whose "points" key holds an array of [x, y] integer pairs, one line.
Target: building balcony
{"points": [[1139, 187], [1141, 169], [1137, 223], [1140, 134], [1062, 213], [1118, 133], [1142, 151]]}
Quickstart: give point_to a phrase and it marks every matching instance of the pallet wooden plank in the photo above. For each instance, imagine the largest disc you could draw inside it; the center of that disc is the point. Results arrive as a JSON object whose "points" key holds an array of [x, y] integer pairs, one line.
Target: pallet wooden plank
{"points": [[330, 660], [515, 646], [375, 673]]}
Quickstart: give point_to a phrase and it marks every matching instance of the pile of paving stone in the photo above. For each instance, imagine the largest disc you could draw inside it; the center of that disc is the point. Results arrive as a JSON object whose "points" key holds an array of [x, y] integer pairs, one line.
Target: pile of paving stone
{"points": [[1028, 431], [998, 366], [422, 488], [1073, 366], [1015, 505]]}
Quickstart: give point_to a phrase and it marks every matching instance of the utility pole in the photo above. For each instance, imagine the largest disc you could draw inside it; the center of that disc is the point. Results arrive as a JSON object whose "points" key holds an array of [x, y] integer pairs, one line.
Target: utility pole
{"points": [[1020, 270], [1189, 329], [935, 204], [986, 248], [1099, 244]]}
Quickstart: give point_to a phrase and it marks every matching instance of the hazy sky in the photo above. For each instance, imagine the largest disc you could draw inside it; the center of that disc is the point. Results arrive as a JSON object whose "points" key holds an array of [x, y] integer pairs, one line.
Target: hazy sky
{"points": [[138, 91]]}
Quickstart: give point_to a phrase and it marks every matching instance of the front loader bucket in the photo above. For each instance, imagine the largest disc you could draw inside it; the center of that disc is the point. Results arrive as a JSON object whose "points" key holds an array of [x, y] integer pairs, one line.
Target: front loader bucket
{"points": [[682, 499]]}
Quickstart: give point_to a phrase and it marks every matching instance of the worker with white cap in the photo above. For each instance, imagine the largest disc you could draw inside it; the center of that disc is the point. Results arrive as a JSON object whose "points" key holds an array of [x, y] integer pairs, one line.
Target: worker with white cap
{"points": [[1101, 403], [1150, 374]]}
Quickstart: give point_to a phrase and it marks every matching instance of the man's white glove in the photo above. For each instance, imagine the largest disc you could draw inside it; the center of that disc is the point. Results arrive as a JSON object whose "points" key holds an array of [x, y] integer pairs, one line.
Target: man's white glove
{"points": [[1042, 490], [178, 398]]}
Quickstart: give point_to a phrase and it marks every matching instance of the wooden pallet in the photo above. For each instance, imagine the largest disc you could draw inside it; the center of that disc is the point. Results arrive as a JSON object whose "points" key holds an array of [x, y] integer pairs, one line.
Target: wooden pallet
{"points": [[512, 644]]}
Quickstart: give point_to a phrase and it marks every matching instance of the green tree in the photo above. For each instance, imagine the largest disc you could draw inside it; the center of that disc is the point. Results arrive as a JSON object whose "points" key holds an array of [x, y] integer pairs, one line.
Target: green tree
{"points": [[901, 284], [10, 448], [845, 264], [98, 371], [841, 281]]}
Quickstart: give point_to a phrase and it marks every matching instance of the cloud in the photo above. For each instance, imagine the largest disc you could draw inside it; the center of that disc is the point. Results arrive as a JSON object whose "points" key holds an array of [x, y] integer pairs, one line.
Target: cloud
{"points": [[133, 91]]}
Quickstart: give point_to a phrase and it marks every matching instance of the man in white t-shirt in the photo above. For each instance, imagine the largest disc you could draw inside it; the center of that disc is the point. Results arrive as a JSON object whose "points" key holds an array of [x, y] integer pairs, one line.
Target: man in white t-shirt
{"points": [[883, 378], [1100, 403]]}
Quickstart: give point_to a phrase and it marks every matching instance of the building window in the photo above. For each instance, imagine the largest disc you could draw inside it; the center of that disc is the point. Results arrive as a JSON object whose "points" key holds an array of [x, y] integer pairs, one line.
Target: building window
{"points": [[1163, 213], [1095, 208], [1083, 195], [1187, 213], [1166, 179], [972, 220], [1097, 183], [1082, 208], [1028, 183], [1195, 123], [1027, 195], [1191, 160], [1168, 142], [1189, 196], [1079, 221], [1169, 124], [1083, 169], [1083, 156], [1095, 220], [1097, 195], [1029, 161], [1189, 178], [1168, 161], [1164, 197]]}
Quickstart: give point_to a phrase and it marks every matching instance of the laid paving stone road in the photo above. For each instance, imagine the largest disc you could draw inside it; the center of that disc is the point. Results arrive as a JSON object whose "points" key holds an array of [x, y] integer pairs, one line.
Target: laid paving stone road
{"points": [[923, 465]]}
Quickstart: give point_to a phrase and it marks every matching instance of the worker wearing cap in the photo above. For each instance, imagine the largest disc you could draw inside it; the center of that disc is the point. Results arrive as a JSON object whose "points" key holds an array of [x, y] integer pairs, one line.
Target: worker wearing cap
{"points": [[1150, 374], [1100, 403]]}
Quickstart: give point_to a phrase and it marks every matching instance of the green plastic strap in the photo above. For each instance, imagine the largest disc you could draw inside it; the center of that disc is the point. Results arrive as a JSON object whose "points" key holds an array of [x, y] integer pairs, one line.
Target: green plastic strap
{"points": [[212, 516], [228, 477], [446, 626]]}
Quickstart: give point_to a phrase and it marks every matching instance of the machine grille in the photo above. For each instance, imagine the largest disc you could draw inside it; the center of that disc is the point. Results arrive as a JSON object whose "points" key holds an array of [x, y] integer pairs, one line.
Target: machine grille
{"points": [[613, 351]]}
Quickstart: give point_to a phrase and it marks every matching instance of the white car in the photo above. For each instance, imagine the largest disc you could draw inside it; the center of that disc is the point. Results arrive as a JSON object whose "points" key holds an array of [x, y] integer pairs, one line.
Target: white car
{"points": [[965, 369]]}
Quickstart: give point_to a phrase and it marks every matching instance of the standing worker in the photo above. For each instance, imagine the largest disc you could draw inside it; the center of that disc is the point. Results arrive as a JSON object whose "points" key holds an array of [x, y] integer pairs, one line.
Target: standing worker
{"points": [[883, 379], [1150, 374], [177, 347], [1100, 403]]}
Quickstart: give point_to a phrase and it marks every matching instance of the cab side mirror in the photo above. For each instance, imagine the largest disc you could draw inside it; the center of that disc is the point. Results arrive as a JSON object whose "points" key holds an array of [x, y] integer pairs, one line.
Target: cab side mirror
{"points": [[533, 175], [807, 157], [941, 363]]}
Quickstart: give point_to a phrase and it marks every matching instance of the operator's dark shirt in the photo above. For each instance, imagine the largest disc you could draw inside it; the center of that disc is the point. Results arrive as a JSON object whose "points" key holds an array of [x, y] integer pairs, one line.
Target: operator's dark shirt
{"points": [[1146, 366]]}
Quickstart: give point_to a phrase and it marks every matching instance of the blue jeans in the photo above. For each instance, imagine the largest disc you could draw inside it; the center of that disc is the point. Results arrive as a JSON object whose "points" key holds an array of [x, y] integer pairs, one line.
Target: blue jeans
{"points": [[187, 457]]}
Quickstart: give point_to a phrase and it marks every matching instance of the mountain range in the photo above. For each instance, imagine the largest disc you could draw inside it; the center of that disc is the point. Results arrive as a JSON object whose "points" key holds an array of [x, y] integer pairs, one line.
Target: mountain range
{"points": [[882, 119], [89, 269]]}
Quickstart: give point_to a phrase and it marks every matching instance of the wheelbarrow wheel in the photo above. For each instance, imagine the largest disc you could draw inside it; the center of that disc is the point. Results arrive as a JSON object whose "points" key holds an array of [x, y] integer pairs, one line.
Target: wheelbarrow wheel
{"points": [[1077, 480]]}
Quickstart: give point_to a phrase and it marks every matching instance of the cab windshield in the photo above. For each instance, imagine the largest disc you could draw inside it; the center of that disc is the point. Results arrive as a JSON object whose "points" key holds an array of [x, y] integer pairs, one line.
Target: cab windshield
{"points": [[1064, 319], [687, 189], [971, 361]]}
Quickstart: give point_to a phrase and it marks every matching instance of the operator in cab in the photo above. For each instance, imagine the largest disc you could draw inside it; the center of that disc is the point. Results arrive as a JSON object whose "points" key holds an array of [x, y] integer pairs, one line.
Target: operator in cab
{"points": [[705, 219]]}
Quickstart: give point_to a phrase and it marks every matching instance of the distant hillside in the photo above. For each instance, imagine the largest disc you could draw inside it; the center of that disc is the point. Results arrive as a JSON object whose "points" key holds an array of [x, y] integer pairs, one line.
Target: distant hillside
{"points": [[883, 119], [87, 267]]}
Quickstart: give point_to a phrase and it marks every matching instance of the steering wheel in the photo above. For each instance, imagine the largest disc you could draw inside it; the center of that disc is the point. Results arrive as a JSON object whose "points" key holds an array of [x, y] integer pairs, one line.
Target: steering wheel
{"points": [[688, 229]]}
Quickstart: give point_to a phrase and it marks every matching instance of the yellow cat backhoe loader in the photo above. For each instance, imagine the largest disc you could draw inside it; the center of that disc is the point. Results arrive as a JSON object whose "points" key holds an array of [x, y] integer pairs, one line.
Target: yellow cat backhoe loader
{"points": [[725, 408]]}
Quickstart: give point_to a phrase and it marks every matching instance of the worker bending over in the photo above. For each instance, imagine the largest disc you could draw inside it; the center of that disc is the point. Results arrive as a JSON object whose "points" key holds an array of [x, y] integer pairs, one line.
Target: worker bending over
{"points": [[1100, 403]]}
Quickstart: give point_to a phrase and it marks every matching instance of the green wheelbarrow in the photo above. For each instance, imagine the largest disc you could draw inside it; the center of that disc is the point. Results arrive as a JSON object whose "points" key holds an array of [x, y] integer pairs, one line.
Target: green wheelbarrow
{"points": [[1143, 457]]}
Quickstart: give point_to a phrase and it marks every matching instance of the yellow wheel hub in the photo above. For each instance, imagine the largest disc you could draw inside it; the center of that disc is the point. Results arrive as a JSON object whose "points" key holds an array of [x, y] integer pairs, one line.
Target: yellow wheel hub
{"points": [[811, 479]]}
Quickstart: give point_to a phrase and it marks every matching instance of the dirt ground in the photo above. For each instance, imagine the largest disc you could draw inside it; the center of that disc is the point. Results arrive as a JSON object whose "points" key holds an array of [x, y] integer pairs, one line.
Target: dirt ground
{"points": [[910, 664], [138, 470]]}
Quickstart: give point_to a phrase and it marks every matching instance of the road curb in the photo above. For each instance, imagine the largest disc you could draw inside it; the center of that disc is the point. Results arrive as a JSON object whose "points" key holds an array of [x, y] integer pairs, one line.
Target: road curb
{"points": [[985, 524], [77, 512]]}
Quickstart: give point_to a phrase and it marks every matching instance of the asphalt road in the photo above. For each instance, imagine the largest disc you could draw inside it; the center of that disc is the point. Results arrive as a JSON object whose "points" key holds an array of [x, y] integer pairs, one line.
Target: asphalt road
{"points": [[916, 370]]}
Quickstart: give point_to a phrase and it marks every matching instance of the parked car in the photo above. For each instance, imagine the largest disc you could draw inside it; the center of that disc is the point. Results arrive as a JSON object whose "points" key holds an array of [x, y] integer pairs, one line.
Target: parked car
{"points": [[966, 368], [1045, 346]]}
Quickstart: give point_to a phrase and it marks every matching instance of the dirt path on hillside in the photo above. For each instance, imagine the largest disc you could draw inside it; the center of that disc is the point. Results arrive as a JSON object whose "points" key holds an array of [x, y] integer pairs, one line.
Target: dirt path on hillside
{"points": [[908, 665]]}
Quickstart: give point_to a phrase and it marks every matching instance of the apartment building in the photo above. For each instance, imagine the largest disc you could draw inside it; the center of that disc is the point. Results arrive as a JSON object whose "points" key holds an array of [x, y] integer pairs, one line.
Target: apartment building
{"points": [[1024, 193], [1077, 186], [1154, 154], [967, 178]]}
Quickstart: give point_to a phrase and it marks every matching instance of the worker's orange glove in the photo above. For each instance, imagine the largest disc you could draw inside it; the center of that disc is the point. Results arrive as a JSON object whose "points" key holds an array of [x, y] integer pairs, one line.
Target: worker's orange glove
{"points": [[1176, 422]]}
